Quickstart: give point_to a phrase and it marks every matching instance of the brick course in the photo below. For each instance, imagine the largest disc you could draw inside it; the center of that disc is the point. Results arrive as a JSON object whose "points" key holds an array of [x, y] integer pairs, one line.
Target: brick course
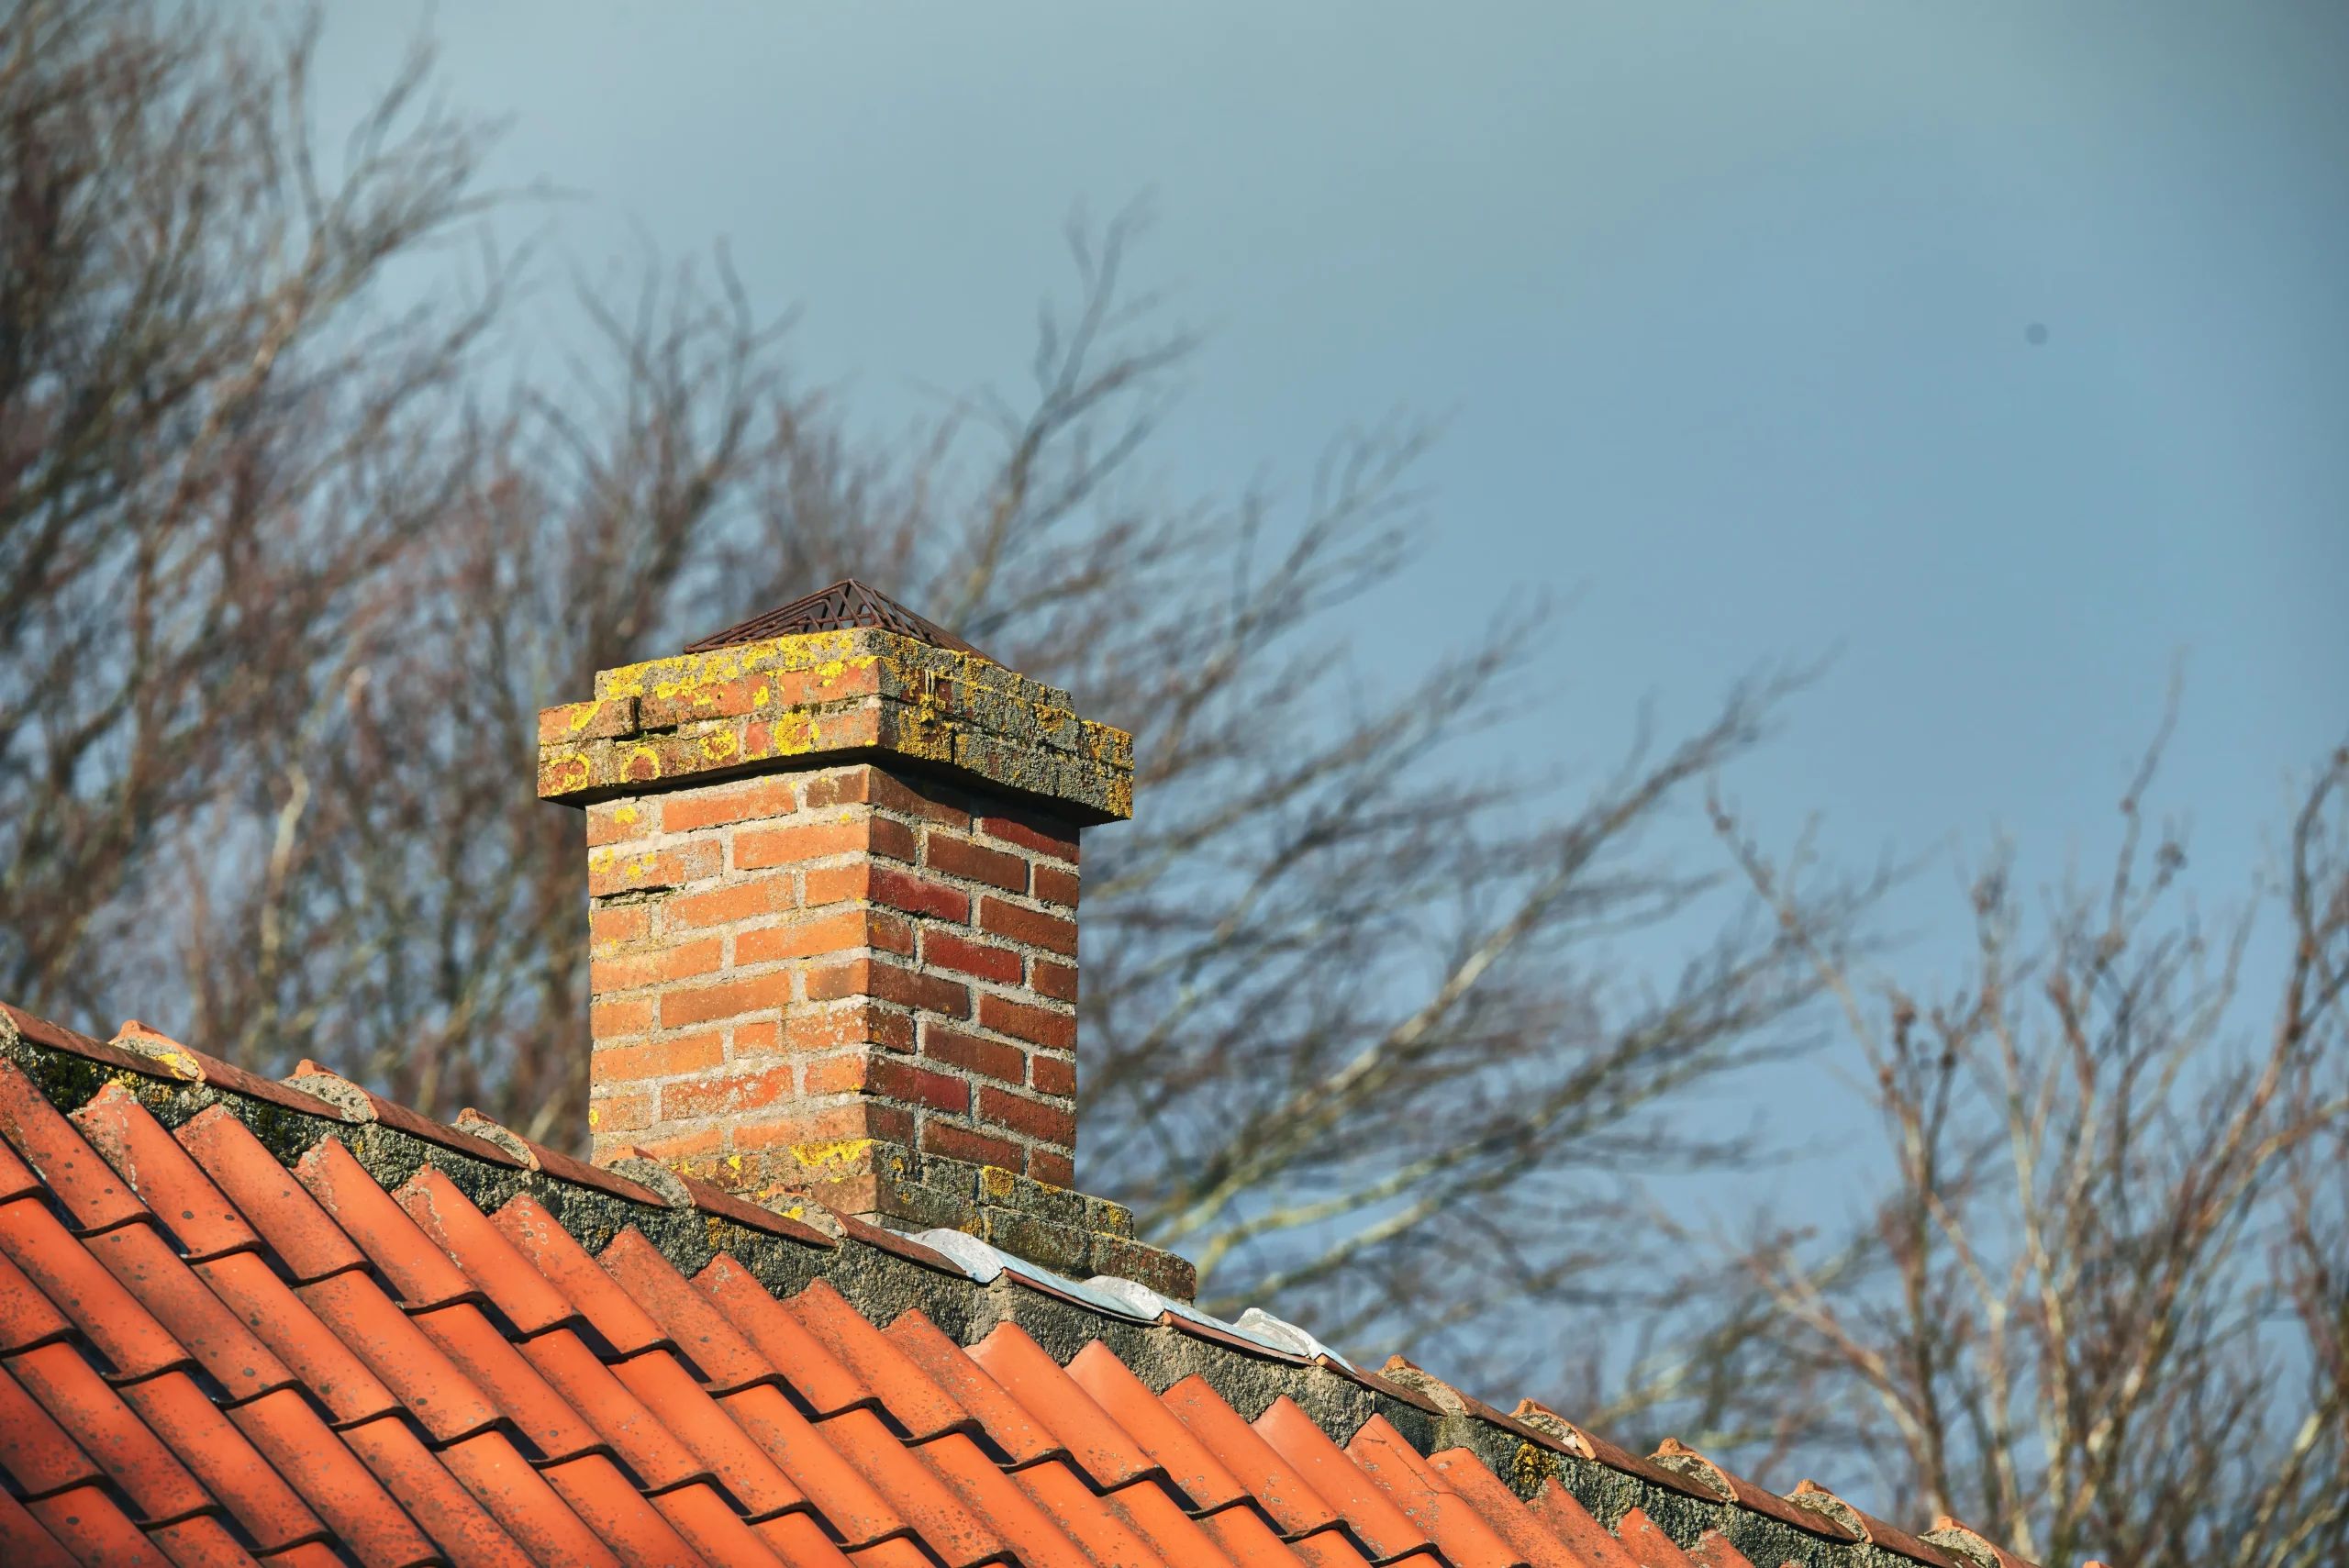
{"points": [[787, 963]]}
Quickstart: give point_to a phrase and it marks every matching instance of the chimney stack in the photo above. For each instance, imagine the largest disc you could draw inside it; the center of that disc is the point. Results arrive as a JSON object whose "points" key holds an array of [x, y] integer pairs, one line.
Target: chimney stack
{"points": [[833, 875]]}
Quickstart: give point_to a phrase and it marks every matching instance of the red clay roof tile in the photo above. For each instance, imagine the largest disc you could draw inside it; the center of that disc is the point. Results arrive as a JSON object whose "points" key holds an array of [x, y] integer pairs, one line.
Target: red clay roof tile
{"points": [[957, 1537], [490, 1467], [301, 1235], [1501, 1508], [814, 1373], [1571, 1522], [251, 1290], [36, 1454], [1384, 1533], [1059, 1490], [108, 1431], [967, 1472], [88, 1525], [415, 1368], [504, 1397], [1100, 1447], [683, 1409], [91, 1191], [921, 1409], [1288, 1498], [484, 1253], [23, 1540], [456, 1523], [419, 1271], [203, 1222], [1007, 1424], [231, 1469], [718, 1352], [1442, 1515], [1128, 1402], [78, 1284], [563, 1266], [140, 1257]]}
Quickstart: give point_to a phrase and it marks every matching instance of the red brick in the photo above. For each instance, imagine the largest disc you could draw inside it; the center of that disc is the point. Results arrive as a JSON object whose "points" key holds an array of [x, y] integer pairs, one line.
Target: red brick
{"points": [[1057, 980], [968, 1051], [831, 1028], [680, 1146], [726, 1000], [757, 1040], [1041, 834], [742, 901], [804, 939], [943, 949], [894, 839], [607, 928], [1054, 886], [711, 699], [658, 1058], [610, 1114], [1054, 1075], [1052, 1166], [1039, 1120], [719, 805], [960, 857], [961, 1143], [699, 1097], [1030, 926], [1033, 1025], [869, 977], [858, 1118], [897, 1079], [842, 1075], [610, 872], [755, 850], [867, 785], [656, 968], [577, 721], [609, 1020], [881, 885], [622, 822]]}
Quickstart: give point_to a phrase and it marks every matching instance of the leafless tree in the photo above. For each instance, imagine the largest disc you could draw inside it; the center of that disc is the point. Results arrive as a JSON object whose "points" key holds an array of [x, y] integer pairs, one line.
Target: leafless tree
{"points": [[1354, 1032], [2102, 1307]]}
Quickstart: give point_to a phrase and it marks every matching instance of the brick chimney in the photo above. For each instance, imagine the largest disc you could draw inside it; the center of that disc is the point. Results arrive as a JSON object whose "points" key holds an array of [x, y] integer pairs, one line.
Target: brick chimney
{"points": [[832, 871]]}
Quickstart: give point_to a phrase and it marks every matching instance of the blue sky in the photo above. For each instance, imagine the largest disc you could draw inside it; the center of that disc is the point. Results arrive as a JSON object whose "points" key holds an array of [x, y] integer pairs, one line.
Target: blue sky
{"points": [[1724, 305]]}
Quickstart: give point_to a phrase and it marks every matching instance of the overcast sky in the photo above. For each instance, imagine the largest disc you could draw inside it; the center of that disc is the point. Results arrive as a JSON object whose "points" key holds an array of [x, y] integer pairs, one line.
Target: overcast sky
{"points": [[1730, 308]]}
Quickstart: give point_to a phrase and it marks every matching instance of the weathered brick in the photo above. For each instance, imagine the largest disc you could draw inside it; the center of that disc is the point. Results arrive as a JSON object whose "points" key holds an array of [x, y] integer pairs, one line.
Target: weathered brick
{"points": [[752, 800], [1048, 1121], [658, 1058], [867, 785], [1057, 980], [894, 839], [610, 1114], [881, 885], [1051, 1165], [726, 1096], [858, 1118], [806, 939], [701, 1003], [742, 901], [1053, 886], [974, 863], [943, 949], [974, 1055], [828, 1029], [842, 1074], [576, 721], [757, 1040], [610, 872], [1052, 1075], [755, 850], [656, 968], [679, 1148], [612, 1020], [886, 982], [894, 1078], [1034, 1025], [607, 930], [961, 1143], [622, 822], [1044, 835], [1033, 927]]}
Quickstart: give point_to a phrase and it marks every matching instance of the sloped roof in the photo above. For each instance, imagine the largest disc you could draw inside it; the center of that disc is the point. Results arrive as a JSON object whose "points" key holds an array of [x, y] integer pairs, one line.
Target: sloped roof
{"points": [[241, 1320]]}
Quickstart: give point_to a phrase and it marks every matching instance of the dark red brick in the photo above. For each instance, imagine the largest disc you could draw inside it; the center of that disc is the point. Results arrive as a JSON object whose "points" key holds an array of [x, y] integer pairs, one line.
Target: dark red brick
{"points": [[1033, 830], [943, 949], [897, 1079], [961, 1143], [867, 785], [1051, 1165], [1022, 925], [868, 977], [1057, 980], [1054, 886], [991, 1057], [960, 857], [1033, 1025], [1052, 1075], [1040, 1119]]}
